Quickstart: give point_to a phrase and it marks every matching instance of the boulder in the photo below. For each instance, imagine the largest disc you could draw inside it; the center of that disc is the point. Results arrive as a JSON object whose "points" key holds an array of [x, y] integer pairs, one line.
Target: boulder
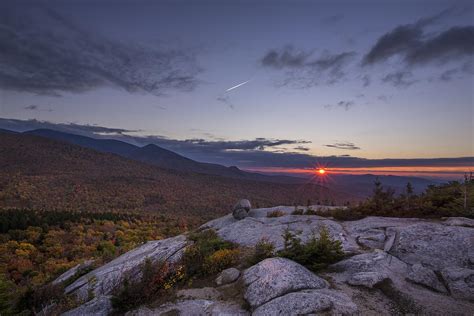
{"points": [[241, 209], [239, 213], [275, 277], [243, 204], [460, 282], [424, 276], [227, 276]]}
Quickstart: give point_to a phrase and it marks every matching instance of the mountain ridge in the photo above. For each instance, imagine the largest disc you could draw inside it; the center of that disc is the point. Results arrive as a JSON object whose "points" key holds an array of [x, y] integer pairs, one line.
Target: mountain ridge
{"points": [[159, 156], [42, 173]]}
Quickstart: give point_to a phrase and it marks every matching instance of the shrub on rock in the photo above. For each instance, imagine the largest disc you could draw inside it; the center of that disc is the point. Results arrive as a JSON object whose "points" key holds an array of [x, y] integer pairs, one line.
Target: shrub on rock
{"points": [[276, 213], [316, 254], [155, 278], [221, 260], [263, 249], [209, 254]]}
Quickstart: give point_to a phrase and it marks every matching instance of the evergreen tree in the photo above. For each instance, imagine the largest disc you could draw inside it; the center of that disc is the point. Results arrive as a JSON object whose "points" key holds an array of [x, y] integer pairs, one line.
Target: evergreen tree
{"points": [[408, 193], [378, 194]]}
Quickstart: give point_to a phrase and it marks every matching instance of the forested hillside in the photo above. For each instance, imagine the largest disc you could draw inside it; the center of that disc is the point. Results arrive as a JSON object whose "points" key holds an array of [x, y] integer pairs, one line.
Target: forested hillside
{"points": [[39, 173]]}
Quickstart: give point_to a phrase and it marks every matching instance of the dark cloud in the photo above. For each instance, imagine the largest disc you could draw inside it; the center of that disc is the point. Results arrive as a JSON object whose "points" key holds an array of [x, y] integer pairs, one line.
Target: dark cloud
{"points": [[44, 52], [245, 153], [346, 105], [345, 146], [456, 42], [415, 47], [302, 69], [400, 40], [399, 79]]}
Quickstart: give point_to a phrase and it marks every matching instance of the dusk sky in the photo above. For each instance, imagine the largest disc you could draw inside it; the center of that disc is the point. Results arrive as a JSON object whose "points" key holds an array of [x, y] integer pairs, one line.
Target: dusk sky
{"points": [[264, 85]]}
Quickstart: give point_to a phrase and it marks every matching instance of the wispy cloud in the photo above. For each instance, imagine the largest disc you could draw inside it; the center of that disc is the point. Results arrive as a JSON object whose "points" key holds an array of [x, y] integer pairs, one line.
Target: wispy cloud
{"points": [[31, 107], [344, 146], [226, 100], [457, 72], [34, 107], [45, 52], [302, 148], [344, 104], [366, 81], [400, 79]]}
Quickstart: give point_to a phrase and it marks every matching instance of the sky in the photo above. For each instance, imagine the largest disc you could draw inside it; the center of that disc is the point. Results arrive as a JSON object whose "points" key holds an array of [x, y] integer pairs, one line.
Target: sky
{"points": [[277, 86]]}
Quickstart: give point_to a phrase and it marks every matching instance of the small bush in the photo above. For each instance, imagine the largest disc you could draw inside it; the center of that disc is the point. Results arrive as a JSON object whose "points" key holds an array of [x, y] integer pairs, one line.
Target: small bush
{"points": [[276, 213], [263, 250], [221, 260], [205, 256], [297, 211], [316, 254], [156, 278], [35, 299], [310, 211]]}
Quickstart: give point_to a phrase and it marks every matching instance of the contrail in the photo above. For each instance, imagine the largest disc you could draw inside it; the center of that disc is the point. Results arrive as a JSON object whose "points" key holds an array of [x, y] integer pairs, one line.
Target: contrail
{"points": [[235, 87]]}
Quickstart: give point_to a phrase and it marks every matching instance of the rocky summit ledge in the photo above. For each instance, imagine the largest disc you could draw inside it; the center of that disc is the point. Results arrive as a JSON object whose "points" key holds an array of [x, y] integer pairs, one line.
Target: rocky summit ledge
{"points": [[393, 266]]}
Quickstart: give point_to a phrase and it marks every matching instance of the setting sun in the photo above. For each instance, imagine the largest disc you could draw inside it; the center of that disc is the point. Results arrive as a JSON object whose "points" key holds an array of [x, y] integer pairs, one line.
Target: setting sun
{"points": [[321, 171]]}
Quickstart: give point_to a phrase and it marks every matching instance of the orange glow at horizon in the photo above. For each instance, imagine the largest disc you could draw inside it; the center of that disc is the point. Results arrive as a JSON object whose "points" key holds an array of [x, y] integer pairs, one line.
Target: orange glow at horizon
{"points": [[435, 171]]}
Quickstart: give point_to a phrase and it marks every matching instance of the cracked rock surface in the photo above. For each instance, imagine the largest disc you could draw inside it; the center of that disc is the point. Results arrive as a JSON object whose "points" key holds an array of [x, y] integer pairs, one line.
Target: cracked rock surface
{"points": [[393, 266]]}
